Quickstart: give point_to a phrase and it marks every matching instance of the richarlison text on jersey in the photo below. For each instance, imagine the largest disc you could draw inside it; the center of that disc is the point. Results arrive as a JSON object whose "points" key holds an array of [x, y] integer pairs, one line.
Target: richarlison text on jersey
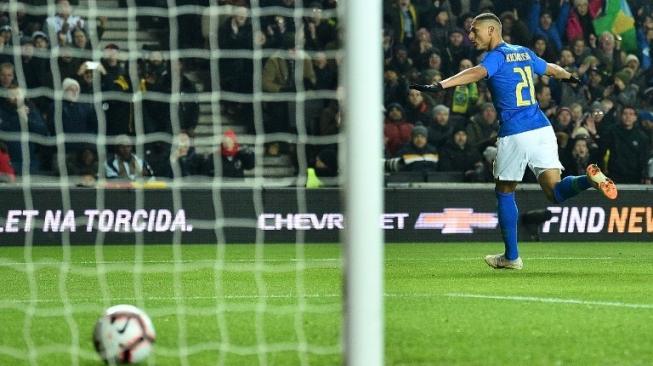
{"points": [[514, 57]]}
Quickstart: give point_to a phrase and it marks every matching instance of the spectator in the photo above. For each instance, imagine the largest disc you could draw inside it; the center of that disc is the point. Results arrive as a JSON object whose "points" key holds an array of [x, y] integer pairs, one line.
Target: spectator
{"points": [[63, 21], [567, 59], [178, 160], [483, 128], [576, 161], [318, 32], [404, 19], [26, 22], [562, 122], [80, 40], [576, 113], [455, 52], [543, 49], [540, 23], [439, 26], [326, 164], [440, 128], [579, 22], [68, 66], [189, 109], [81, 45], [236, 74], [85, 164], [400, 63], [546, 102], [118, 110], [7, 173], [514, 29], [418, 107], [580, 50], [35, 69], [86, 73], [628, 149], [6, 75], [418, 155], [595, 83], [421, 48], [434, 62], [624, 91], [159, 79], [16, 112], [77, 119], [465, 22], [326, 74], [396, 129], [395, 87], [632, 63], [234, 159], [458, 155], [124, 164], [5, 44], [609, 53], [279, 77], [278, 29], [41, 41], [593, 123], [464, 97]]}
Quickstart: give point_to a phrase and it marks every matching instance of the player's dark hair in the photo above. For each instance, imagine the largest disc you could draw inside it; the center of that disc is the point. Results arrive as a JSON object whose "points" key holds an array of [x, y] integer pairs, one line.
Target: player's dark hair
{"points": [[487, 16]]}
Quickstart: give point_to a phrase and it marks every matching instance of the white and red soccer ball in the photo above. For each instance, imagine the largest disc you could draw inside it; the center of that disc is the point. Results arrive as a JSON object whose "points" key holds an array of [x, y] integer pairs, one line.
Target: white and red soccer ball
{"points": [[124, 334]]}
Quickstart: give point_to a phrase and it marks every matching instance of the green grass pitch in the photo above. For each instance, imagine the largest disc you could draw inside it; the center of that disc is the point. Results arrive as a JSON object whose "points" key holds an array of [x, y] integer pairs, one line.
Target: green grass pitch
{"points": [[573, 304]]}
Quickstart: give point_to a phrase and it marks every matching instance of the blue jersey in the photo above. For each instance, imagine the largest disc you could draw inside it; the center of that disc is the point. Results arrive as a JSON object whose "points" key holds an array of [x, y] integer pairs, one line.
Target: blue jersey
{"points": [[510, 71]]}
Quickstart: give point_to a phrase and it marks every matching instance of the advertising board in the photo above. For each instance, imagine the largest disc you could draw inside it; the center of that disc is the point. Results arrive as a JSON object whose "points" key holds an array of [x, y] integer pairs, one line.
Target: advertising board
{"points": [[287, 215]]}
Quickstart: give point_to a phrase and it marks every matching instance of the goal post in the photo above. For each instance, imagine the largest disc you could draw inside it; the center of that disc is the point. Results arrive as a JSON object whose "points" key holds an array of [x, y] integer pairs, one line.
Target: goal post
{"points": [[363, 332]]}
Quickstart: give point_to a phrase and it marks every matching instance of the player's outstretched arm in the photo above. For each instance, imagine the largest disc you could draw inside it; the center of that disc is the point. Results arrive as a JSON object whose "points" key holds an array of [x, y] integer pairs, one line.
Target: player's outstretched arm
{"points": [[471, 75], [561, 74], [464, 77]]}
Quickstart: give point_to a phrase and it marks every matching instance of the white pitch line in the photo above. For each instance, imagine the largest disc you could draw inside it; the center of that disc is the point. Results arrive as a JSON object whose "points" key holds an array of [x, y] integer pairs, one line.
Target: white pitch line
{"points": [[166, 261], [553, 300], [550, 300], [169, 298], [292, 260]]}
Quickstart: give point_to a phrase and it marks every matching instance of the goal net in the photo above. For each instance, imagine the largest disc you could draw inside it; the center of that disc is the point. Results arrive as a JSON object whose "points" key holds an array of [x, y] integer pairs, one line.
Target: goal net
{"points": [[157, 153]]}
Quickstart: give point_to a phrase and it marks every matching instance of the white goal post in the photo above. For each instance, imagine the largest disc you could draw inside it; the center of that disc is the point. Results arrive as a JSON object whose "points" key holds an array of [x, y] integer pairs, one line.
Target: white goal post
{"points": [[363, 331]]}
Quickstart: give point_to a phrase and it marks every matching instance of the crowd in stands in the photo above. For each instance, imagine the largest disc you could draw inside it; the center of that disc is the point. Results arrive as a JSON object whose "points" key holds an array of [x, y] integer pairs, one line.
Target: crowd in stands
{"points": [[606, 120], [299, 61], [96, 113]]}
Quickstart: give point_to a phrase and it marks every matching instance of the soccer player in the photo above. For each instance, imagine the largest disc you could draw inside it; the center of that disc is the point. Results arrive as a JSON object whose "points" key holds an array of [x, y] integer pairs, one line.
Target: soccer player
{"points": [[525, 134]]}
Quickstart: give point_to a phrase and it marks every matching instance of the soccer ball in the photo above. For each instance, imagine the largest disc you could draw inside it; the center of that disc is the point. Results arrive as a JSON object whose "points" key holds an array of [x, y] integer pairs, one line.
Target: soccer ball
{"points": [[124, 334]]}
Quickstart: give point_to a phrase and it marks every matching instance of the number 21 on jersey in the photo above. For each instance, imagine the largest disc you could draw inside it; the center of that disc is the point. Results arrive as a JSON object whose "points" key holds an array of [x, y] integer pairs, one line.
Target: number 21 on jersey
{"points": [[526, 82]]}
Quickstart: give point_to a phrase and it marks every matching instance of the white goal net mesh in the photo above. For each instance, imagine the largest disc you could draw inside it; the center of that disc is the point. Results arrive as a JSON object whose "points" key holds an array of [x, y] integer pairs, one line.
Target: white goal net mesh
{"points": [[133, 127]]}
